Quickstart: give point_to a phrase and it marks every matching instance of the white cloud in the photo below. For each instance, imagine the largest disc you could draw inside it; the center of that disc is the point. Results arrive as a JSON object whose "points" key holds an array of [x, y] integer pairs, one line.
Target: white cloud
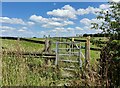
{"points": [[42, 32], [39, 19], [68, 23], [3, 30], [7, 28], [67, 12], [88, 22], [70, 29], [104, 6], [85, 21], [56, 19], [30, 23], [57, 24], [87, 10], [78, 28], [116, 1], [12, 20], [21, 30], [59, 29], [50, 22]]}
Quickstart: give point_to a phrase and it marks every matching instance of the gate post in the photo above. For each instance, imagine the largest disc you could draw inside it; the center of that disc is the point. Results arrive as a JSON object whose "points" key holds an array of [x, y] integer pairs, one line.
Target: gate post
{"points": [[80, 61], [87, 52], [57, 52]]}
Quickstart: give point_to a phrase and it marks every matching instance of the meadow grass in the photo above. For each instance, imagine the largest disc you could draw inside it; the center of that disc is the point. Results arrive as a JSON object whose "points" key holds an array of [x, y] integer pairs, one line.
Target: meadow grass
{"points": [[30, 71]]}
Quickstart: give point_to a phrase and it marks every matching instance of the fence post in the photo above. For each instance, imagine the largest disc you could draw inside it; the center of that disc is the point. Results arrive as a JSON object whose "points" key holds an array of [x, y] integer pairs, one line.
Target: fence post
{"points": [[66, 44], [80, 61], [87, 52], [57, 52], [47, 49], [72, 45], [47, 46]]}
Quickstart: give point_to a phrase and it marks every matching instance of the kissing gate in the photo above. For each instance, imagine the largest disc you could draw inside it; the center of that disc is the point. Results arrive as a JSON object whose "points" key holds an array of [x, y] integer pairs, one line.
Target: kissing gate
{"points": [[69, 54]]}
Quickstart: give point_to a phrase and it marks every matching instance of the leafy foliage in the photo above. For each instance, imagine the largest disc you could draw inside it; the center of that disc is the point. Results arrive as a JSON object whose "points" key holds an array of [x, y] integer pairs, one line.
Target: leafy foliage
{"points": [[110, 54]]}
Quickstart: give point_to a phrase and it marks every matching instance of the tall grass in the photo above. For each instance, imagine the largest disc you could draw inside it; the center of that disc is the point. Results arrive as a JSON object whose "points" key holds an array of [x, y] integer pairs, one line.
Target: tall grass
{"points": [[19, 70]]}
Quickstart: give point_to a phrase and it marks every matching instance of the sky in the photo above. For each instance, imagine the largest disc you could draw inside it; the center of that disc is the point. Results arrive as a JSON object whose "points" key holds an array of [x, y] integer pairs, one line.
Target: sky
{"points": [[36, 19]]}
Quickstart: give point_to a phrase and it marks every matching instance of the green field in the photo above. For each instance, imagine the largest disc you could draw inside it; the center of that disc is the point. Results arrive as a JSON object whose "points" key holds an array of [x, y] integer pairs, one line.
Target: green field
{"points": [[31, 71]]}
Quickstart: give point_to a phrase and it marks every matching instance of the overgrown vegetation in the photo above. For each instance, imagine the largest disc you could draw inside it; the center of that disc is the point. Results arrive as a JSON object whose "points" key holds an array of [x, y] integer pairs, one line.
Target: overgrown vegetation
{"points": [[110, 54], [19, 70]]}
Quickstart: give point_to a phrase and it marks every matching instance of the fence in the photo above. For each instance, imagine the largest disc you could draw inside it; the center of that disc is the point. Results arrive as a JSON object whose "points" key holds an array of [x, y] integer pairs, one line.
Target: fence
{"points": [[71, 49], [71, 46]]}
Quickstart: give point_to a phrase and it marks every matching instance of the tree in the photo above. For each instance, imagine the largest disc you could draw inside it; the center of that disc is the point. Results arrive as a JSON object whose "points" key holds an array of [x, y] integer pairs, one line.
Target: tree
{"points": [[110, 54]]}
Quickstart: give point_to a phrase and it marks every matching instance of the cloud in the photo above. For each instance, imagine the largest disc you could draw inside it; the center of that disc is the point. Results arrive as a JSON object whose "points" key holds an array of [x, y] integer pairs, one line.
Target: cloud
{"points": [[104, 6], [87, 10], [12, 20], [78, 28], [23, 29], [58, 30], [50, 22], [57, 24], [30, 23], [7, 28], [88, 22], [56, 19], [42, 32], [39, 19], [67, 12], [70, 29], [116, 1]]}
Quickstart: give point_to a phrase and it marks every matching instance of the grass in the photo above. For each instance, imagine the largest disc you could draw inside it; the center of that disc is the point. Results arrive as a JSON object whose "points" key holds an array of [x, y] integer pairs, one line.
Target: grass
{"points": [[25, 46], [30, 71]]}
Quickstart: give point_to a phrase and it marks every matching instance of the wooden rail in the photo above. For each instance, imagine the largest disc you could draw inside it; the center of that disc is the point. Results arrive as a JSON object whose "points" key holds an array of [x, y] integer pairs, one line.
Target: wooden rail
{"points": [[27, 53], [24, 39]]}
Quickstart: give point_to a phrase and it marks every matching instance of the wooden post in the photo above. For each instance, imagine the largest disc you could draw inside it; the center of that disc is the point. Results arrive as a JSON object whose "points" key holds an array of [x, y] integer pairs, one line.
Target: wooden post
{"points": [[66, 44], [47, 46], [87, 51], [72, 45], [80, 61], [57, 52], [88, 48], [46, 50]]}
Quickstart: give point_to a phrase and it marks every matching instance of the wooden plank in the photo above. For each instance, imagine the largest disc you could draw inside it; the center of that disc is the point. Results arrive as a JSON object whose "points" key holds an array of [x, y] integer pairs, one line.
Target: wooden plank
{"points": [[27, 53], [48, 57]]}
